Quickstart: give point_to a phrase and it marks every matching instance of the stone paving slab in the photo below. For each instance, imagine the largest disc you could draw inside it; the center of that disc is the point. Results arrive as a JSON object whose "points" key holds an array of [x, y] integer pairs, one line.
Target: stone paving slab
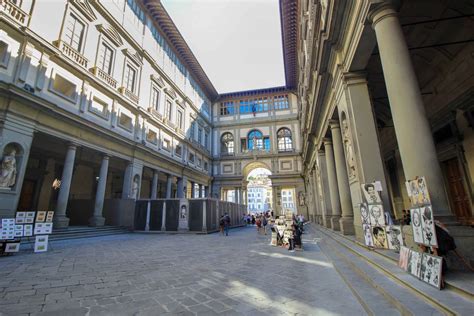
{"points": [[144, 274]]}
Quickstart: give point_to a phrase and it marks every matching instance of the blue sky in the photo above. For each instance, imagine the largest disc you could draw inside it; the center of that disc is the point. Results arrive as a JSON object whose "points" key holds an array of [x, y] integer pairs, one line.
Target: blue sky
{"points": [[237, 42]]}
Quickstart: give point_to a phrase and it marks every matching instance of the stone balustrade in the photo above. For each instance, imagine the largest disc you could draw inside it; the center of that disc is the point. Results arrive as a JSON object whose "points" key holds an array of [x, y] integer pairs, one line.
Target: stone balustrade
{"points": [[71, 53], [105, 77], [9, 8]]}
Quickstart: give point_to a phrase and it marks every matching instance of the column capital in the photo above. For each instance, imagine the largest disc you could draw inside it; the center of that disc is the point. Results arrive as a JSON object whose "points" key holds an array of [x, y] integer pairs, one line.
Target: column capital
{"points": [[381, 12], [334, 124], [321, 152], [327, 141], [72, 145], [105, 157], [356, 77]]}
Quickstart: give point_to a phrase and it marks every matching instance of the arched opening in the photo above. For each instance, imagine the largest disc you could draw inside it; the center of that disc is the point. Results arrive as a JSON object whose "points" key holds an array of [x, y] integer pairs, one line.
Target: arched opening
{"points": [[259, 190]]}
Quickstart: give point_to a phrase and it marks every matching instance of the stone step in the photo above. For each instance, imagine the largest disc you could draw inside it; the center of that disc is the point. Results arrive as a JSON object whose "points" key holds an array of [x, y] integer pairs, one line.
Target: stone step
{"points": [[76, 232], [447, 300]]}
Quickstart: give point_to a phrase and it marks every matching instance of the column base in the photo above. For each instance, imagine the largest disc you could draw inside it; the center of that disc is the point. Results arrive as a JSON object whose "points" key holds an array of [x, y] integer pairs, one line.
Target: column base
{"points": [[61, 221], [335, 223], [327, 221], [96, 221], [347, 225]]}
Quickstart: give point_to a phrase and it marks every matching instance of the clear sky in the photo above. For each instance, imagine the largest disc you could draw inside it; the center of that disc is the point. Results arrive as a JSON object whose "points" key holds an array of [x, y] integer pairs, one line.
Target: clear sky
{"points": [[237, 42]]}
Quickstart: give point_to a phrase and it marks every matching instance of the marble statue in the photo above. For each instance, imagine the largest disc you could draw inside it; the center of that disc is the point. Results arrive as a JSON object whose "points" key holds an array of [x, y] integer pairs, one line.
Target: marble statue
{"points": [[134, 192], [350, 159], [8, 170]]}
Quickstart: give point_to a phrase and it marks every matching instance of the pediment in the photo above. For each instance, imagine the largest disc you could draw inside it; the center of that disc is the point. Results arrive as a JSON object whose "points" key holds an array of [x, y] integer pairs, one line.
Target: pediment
{"points": [[171, 93], [85, 8], [111, 33], [133, 56], [158, 80]]}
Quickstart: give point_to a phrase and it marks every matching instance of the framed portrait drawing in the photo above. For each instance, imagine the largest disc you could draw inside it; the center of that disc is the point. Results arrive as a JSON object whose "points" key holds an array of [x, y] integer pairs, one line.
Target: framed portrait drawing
{"points": [[394, 237], [376, 215], [416, 225], [379, 237], [403, 259], [368, 235], [428, 226], [364, 214], [371, 195], [414, 263]]}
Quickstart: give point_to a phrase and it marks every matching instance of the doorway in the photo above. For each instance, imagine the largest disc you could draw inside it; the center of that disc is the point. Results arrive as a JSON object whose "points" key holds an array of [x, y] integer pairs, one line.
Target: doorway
{"points": [[459, 198]]}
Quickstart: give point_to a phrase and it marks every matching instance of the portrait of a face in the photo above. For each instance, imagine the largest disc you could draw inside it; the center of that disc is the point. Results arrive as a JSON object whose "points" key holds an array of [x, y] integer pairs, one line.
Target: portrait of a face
{"points": [[416, 225], [376, 215], [394, 237], [368, 236], [379, 237], [364, 214], [429, 232], [414, 262], [423, 195], [430, 269], [370, 194]]}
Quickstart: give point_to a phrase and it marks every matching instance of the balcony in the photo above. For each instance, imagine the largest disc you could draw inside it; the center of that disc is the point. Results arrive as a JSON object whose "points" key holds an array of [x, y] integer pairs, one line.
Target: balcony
{"points": [[129, 94], [105, 77], [155, 113], [71, 53], [13, 11]]}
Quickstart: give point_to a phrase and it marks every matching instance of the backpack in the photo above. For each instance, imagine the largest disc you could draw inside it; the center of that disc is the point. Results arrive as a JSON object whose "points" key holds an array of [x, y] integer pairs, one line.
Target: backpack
{"points": [[221, 222]]}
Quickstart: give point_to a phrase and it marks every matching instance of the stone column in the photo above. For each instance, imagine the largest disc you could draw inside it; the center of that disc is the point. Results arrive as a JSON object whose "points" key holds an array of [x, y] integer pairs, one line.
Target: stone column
{"points": [[347, 220], [182, 187], [241, 198], [60, 219], [169, 183], [324, 194], [193, 190], [206, 191], [332, 181], [97, 219], [201, 194], [154, 185], [236, 195], [127, 181], [414, 137]]}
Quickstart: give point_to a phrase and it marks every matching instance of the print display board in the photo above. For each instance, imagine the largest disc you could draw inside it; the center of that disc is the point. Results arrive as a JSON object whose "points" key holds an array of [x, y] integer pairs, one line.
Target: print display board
{"points": [[394, 237], [424, 266], [422, 222]]}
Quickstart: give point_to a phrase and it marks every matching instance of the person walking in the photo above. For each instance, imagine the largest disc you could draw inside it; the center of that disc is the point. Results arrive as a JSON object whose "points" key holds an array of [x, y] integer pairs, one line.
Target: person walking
{"points": [[222, 224], [264, 224], [226, 224]]}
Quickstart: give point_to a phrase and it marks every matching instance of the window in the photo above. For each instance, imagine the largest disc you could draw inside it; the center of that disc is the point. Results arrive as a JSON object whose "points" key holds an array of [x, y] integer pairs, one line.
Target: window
{"points": [[64, 87], [191, 131], [280, 102], [98, 106], [74, 34], [227, 108], [105, 59], [254, 106], [168, 109], [206, 139], [151, 136], [243, 144], [191, 158], [125, 121], [179, 150], [155, 98], [255, 140], [4, 56], [179, 119], [130, 78], [285, 142], [167, 144], [206, 166], [139, 14], [227, 143], [199, 162], [200, 135]]}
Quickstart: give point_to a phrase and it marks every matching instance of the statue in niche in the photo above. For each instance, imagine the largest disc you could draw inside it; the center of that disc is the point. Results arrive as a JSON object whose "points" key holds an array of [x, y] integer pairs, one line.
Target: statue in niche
{"points": [[183, 213], [301, 198], [134, 193], [8, 170], [350, 158]]}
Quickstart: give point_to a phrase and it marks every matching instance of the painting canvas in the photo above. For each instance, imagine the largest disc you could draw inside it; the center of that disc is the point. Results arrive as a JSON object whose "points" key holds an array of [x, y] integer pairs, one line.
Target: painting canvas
{"points": [[18, 230], [379, 237], [414, 263], [376, 215], [41, 243], [428, 226], [28, 230], [12, 247], [371, 195], [403, 259], [368, 235], [416, 225], [47, 228], [394, 237], [430, 270], [364, 214], [39, 228], [40, 216]]}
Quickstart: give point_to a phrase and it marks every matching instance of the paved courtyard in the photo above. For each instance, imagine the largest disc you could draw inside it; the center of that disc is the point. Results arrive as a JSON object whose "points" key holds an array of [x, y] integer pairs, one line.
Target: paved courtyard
{"points": [[173, 274]]}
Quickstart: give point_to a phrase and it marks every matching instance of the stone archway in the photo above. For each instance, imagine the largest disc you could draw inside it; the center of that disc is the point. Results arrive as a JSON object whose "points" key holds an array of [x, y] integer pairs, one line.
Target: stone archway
{"points": [[257, 187]]}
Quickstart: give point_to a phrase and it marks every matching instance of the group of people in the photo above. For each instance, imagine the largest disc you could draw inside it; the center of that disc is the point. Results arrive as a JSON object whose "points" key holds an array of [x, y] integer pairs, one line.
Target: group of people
{"points": [[224, 224], [297, 229]]}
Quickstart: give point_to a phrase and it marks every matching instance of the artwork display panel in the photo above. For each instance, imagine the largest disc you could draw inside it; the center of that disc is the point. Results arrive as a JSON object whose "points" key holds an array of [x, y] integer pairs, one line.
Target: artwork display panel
{"points": [[41, 243], [20, 217], [8, 229], [403, 259], [394, 237], [379, 237], [422, 222], [18, 231], [430, 270], [12, 247], [30, 217], [371, 194], [49, 217], [39, 229], [368, 235], [364, 214], [376, 214], [40, 216], [414, 263], [418, 191], [28, 230]]}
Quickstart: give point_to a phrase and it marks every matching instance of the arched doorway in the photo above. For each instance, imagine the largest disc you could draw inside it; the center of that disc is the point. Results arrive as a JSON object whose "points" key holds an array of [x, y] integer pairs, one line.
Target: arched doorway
{"points": [[259, 190]]}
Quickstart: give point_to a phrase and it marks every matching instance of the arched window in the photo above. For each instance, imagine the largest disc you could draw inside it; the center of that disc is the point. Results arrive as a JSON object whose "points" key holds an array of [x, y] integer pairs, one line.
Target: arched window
{"points": [[227, 143], [255, 140], [285, 142]]}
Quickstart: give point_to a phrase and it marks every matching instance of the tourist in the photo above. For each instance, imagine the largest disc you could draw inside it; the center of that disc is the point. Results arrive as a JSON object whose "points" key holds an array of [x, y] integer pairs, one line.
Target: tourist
{"points": [[253, 219], [259, 224], [226, 224], [264, 224], [291, 239], [222, 224]]}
